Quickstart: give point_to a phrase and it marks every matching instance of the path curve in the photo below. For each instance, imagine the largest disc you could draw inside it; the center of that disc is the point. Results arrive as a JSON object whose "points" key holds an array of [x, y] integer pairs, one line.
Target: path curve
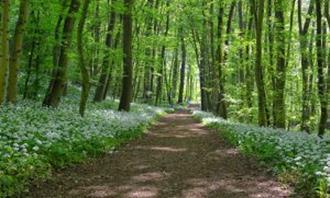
{"points": [[178, 158]]}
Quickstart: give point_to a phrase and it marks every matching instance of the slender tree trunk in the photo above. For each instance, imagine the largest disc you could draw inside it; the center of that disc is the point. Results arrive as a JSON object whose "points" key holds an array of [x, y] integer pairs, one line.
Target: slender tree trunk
{"points": [[249, 66], [58, 82], [175, 75], [29, 69], [127, 86], [160, 79], [262, 105], [17, 51], [57, 33], [271, 51], [182, 70], [241, 22], [32, 53], [305, 62], [221, 105], [4, 48], [95, 60], [112, 65], [311, 77], [82, 61], [327, 15], [199, 61], [320, 47], [205, 61], [36, 83], [280, 75], [147, 90], [101, 86]]}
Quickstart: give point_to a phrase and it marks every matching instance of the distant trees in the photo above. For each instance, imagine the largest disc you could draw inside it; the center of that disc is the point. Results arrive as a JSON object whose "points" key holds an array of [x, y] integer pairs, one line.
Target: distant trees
{"points": [[258, 61]]}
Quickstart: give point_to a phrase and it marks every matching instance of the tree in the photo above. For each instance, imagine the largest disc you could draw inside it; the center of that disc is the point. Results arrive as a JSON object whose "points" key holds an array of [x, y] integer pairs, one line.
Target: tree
{"points": [[280, 74], [162, 70], [4, 48], [305, 62], [82, 61], [321, 60], [183, 69], [127, 78], [262, 105], [221, 106], [104, 77], [17, 50], [59, 78]]}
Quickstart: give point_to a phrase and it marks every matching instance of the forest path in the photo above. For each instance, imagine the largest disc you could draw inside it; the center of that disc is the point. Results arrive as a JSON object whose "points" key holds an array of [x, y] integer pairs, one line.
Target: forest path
{"points": [[178, 158]]}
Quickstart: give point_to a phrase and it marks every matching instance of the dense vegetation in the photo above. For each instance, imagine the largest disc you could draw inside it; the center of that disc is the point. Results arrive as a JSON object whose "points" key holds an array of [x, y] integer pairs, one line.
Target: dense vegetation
{"points": [[34, 140], [297, 158], [255, 61], [259, 62]]}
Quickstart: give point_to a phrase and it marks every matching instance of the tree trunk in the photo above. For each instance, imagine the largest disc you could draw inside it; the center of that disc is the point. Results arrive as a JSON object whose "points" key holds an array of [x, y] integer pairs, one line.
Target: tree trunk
{"points": [[127, 79], [102, 84], [112, 65], [59, 79], [280, 75], [305, 62], [17, 51], [320, 47], [82, 62], [175, 75], [271, 55], [95, 60], [160, 79], [4, 48], [57, 33], [147, 90], [262, 105], [32, 53], [182, 70]]}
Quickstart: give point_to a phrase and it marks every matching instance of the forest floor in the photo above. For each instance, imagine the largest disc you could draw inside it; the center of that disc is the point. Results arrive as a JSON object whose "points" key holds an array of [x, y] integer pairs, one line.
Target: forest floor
{"points": [[179, 157]]}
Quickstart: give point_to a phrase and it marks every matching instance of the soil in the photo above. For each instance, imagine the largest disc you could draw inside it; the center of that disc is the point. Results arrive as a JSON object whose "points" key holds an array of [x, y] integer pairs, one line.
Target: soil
{"points": [[178, 157]]}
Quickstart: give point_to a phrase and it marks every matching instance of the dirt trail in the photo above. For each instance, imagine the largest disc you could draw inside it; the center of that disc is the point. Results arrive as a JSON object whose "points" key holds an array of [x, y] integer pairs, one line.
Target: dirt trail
{"points": [[178, 158]]}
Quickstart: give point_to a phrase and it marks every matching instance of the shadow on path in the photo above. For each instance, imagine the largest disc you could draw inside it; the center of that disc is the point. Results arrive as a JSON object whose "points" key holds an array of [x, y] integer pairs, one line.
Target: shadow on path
{"points": [[177, 158]]}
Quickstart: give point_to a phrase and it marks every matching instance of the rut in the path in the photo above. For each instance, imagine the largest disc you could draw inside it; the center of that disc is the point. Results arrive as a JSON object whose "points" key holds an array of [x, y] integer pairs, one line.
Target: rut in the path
{"points": [[177, 158]]}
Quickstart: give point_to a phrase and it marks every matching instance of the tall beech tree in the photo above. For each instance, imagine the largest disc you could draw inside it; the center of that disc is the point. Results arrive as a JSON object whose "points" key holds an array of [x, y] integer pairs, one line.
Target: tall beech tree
{"points": [[82, 60], [258, 9], [59, 77], [321, 63], [280, 75], [221, 107], [104, 77], [17, 50], [127, 78], [305, 62], [182, 69], [4, 48]]}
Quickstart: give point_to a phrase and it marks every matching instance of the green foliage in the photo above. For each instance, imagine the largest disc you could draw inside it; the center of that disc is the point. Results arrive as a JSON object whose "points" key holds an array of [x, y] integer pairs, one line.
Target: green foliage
{"points": [[35, 140], [297, 158]]}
